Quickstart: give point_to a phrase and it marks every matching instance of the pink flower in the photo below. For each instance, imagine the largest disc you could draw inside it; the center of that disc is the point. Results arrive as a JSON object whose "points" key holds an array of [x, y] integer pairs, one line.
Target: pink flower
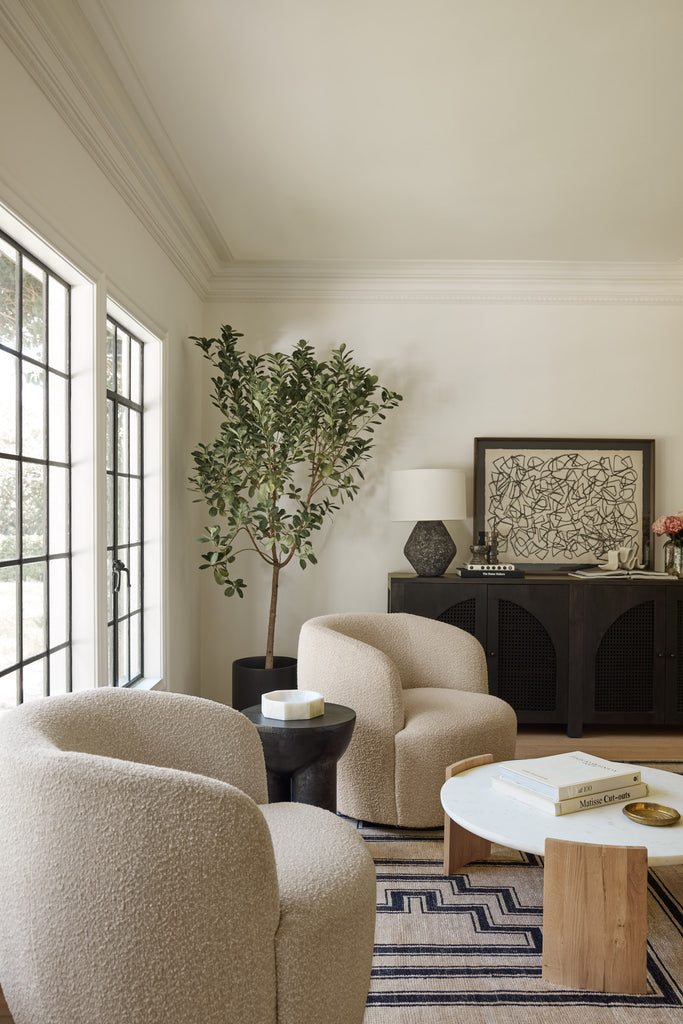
{"points": [[673, 525]]}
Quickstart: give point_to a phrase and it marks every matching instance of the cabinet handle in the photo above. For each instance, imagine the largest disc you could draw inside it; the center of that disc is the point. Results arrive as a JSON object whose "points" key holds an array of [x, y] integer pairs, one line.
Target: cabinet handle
{"points": [[672, 655], [660, 654], [492, 654]]}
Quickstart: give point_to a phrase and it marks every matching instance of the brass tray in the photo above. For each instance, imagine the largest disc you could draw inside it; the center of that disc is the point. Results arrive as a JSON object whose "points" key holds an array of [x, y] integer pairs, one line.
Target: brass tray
{"points": [[646, 813]]}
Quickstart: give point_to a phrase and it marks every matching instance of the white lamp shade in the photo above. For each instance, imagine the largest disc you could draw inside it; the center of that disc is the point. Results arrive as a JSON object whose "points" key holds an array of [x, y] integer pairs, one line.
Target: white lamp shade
{"points": [[418, 495]]}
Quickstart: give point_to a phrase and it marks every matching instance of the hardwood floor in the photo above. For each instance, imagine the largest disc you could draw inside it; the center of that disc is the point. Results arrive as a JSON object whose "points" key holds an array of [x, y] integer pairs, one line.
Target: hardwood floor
{"points": [[615, 744], [5, 1015]]}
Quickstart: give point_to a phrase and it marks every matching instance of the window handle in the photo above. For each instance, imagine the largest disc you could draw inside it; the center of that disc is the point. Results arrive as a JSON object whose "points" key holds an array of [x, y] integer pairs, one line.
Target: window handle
{"points": [[117, 568]]}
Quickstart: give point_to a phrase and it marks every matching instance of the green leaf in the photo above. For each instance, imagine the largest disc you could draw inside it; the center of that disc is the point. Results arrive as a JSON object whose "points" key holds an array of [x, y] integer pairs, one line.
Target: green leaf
{"points": [[293, 431]]}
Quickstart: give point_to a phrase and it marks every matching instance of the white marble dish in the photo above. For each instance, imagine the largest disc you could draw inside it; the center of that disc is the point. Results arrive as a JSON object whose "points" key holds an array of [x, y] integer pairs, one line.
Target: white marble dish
{"points": [[292, 704]]}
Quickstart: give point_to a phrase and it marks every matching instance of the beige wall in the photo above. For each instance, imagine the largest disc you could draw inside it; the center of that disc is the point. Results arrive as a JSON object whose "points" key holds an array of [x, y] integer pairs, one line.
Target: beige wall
{"points": [[555, 368], [48, 180], [609, 367]]}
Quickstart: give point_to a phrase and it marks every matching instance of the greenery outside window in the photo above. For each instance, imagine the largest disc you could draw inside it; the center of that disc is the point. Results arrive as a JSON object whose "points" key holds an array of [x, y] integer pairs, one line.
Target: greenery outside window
{"points": [[35, 478], [74, 460], [125, 504]]}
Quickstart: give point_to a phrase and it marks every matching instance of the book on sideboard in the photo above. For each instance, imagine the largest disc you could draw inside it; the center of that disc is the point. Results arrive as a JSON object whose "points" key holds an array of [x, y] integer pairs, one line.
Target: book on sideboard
{"points": [[546, 804], [562, 776], [632, 574], [490, 570]]}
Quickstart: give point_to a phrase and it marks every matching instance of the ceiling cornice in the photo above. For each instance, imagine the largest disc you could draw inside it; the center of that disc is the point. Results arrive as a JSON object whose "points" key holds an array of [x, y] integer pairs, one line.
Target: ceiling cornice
{"points": [[449, 281], [64, 58]]}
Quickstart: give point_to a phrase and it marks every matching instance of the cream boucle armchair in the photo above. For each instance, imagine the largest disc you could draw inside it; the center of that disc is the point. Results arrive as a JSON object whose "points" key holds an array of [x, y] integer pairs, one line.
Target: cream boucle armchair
{"points": [[419, 688], [145, 880]]}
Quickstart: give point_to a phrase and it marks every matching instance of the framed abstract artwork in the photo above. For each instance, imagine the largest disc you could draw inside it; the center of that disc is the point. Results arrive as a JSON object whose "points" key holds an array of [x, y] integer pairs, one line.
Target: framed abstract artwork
{"points": [[559, 504]]}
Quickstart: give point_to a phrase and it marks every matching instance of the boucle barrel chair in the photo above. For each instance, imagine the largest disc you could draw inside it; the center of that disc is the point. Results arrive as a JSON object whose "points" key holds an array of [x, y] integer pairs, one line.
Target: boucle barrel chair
{"points": [[144, 879], [419, 688]]}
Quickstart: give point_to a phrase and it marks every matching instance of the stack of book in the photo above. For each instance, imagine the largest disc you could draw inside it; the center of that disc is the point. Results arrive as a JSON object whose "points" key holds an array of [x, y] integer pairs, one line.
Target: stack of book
{"points": [[474, 570], [563, 783]]}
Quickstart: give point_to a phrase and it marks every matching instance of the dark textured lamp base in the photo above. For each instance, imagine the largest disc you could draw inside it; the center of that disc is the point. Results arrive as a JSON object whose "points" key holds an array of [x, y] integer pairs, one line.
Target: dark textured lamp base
{"points": [[430, 549]]}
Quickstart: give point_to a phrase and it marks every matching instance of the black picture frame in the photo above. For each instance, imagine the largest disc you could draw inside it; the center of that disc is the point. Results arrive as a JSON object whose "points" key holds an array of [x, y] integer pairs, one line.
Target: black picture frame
{"points": [[559, 504]]}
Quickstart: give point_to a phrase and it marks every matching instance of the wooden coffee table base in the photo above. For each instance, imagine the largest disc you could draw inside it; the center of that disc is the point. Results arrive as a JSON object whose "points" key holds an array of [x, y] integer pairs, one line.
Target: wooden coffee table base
{"points": [[595, 916], [594, 906]]}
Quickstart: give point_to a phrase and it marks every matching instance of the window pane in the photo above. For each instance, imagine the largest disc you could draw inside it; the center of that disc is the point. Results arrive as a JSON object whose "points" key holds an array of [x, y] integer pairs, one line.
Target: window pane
{"points": [[122, 439], [123, 676], [9, 652], [122, 363], [111, 356], [134, 423], [110, 655], [134, 511], [135, 370], [110, 510], [8, 401], [57, 323], [110, 587], [135, 578], [59, 510], [8, 509], [59, 602], [9, 697], [34, 504], [124, 590], [58, 418], [33, 412], [33, 311], [123, 525], [34, 680], [59, 672], [8, 295], [111, 412], [135, 663], [34, 596]]}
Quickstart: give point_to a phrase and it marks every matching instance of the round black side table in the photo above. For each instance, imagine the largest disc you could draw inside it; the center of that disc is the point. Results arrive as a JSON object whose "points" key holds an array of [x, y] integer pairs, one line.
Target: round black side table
{"points": [[301, 754]]}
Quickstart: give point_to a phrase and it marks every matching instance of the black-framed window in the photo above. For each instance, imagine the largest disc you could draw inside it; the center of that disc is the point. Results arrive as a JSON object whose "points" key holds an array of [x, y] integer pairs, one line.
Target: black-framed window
{"points": [[125, 504], [35, 478]]}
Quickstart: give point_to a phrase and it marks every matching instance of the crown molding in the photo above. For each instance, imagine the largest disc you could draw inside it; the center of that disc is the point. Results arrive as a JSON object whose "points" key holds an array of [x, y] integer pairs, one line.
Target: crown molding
{"points": [[449, 281], [63, 56]]}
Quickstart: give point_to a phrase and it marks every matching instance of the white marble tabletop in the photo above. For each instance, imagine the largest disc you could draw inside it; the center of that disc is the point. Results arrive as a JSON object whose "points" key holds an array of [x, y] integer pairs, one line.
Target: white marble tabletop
{"points": [[470, 801]]}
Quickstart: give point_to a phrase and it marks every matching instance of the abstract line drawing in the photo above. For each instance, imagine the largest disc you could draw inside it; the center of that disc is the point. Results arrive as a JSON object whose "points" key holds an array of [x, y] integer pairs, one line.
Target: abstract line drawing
{"points": [[554, 505]]}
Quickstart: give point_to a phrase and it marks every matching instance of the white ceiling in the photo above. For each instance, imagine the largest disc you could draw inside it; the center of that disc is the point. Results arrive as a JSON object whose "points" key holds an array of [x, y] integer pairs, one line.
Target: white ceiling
{"points": [[414, 129]]}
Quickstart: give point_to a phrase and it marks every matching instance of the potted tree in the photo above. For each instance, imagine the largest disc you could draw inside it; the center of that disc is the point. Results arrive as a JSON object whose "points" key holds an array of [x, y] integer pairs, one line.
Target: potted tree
{"points": [[293, 436]]}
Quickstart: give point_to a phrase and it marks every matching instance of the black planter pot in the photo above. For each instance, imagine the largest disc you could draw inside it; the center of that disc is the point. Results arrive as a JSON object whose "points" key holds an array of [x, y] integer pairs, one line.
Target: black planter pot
{"points": [[250, 680]]}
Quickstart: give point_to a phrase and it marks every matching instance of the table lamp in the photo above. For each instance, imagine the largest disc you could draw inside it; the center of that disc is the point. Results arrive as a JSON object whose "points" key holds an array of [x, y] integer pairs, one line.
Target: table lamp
{"points": [[428, 496]]}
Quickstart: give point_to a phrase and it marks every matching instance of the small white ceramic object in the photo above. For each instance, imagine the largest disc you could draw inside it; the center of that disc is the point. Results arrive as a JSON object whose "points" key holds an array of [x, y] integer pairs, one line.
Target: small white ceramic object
{"points": [[291, 704]]}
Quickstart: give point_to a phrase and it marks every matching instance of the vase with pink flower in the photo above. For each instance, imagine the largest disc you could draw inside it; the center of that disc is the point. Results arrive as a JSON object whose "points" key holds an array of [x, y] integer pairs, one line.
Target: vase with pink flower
{"points": [[673, 548]]}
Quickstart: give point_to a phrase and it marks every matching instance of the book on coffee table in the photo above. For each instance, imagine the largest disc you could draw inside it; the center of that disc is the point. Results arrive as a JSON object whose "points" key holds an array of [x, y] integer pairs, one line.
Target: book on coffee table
{"points": [[563, 776], [619, 795]]}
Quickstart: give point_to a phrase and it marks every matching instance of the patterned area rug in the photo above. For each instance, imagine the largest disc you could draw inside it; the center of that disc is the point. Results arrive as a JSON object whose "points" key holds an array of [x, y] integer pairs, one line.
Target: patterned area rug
{"points": [[467, 949]]}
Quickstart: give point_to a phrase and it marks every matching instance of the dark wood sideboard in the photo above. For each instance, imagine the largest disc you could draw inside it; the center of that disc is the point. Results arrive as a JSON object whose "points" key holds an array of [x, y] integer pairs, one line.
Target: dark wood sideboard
{"points": [[563, 650]]}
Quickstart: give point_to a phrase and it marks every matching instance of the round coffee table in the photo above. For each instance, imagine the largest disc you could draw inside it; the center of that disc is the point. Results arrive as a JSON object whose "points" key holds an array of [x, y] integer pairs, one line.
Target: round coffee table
{"points": [[595, 884], [301, 754]]}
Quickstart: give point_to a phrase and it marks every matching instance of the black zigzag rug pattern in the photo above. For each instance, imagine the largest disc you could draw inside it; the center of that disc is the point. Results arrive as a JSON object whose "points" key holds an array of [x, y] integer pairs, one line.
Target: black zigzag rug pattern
{"points": [[468, 948]]}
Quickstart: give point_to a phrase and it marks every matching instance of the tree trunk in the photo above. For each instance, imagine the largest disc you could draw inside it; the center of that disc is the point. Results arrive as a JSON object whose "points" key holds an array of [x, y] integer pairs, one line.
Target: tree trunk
{"points": [[270, 643]]}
